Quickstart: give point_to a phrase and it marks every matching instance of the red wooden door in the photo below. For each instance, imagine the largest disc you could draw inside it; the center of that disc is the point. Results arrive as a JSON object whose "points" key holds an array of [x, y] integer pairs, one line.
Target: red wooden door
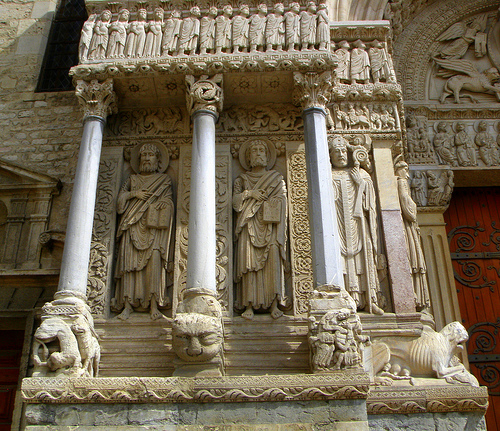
{"points": [[473, 226], [11, 346]]}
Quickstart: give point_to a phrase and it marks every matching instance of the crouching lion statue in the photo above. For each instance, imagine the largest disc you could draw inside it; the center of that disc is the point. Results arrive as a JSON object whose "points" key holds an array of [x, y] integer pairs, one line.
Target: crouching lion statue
{"points": [[433, 354]]}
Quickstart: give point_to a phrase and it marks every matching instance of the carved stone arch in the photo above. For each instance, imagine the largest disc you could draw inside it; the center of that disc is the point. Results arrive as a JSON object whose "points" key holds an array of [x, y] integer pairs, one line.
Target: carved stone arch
{"points": [[414, 48]]}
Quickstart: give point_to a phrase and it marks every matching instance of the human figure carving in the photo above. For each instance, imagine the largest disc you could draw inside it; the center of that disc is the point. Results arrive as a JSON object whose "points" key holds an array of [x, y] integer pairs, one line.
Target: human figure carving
{"points": [[412, 235], [444, 145], [190, 31], [223, 30], [488, 150], [323, 28], [379, 63], [118, 35], [171, 33], [257, 29], [360, 63], [466, 150], [275, 29], [99, 43], [292, 27], [260, 202], [240, 27], [145, 231], [308, 27], [86, 37], [155, 34], [418, 188], [207, 31], [355, 202], [136, 38], [344, 57]]}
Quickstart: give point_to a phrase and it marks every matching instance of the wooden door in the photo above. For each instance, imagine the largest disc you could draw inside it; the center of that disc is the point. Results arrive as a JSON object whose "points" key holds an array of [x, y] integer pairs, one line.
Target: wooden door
{"points": [[473, 226], [11, 347]]}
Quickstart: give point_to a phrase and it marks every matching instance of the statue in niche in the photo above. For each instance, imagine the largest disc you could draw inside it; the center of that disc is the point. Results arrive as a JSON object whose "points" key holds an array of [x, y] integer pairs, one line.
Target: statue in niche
{"points": [[488, 150], [118, 35], [190, 31], [171, 33], [155, 33], [323, 29], [418, 183], [308, 27], [260, 201], [223, 30], [355, 202], [444, 145], [379, 63], [207, 31], [343, 54], [275, 29], [144, 233], [86, 37], [99, 43], [136, 38], [466, 150], [292, 27], [360, 63], [240, 26], [412, 235], [257, 29]]}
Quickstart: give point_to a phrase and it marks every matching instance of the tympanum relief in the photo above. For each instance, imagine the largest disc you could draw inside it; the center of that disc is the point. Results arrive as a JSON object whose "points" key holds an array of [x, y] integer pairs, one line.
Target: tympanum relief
{"points": [[144, 234], [260, 202]]}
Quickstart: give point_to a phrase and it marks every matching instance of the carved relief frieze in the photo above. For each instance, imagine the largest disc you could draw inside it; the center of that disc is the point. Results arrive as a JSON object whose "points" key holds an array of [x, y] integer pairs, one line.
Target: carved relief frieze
{"points": [[364, 117], [431, 187], [419, 144]]}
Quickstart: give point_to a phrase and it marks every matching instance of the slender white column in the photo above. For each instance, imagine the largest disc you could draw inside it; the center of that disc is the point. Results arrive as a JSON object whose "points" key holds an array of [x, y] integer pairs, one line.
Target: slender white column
{"points": [[326, 253], [201, 261], [204, 101], [97, 100]]}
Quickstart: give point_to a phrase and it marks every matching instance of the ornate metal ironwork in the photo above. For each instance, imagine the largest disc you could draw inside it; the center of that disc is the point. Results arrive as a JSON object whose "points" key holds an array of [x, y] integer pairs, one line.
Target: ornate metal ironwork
{"points": [[494, 237]]}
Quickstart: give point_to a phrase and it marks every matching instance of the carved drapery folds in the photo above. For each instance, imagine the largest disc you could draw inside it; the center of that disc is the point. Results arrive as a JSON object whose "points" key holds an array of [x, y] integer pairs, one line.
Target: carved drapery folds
{"points": [[204, 93], [431, 187], [96, 98], [312, 90]]}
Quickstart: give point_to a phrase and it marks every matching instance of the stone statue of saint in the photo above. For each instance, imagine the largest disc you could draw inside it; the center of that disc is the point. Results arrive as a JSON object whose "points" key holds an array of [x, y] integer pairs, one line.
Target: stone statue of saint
{"points": [[99, 43], [308, 27], [466, 149], [240, 26], [118, 35], [260, 202], [207, 31], [171, 33], [443, 143], [323, 29], [155, 34], [190, 31], [256, 32], [292, 27], [360, 63], [136, 39], [223, 30], [488, 149], [86, 37], [144, 233], [344, 56], [378, 62], [412, 234], [275, 28], [355, 202]]}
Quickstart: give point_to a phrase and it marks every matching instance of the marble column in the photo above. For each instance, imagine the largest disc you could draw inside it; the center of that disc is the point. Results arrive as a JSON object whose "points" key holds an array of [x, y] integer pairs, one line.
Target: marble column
{"points": [[313, 90], [199, 311], [69, 308]]}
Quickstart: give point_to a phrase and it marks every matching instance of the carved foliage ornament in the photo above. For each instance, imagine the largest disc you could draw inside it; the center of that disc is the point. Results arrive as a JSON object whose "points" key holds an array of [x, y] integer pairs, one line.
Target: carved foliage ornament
{"points": [[204, 93], [312, 89], [96, 99]]}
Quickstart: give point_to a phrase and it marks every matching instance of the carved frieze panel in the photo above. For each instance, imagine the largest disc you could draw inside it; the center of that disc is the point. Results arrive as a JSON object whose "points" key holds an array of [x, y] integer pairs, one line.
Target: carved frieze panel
{"points": [[364, 117], [431, 187]]}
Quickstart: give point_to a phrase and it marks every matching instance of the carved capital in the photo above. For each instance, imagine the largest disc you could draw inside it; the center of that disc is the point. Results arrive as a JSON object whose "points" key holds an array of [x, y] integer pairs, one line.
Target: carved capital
{"points": [[96, 98], [312, 90], [431, 189], [204, 93]]}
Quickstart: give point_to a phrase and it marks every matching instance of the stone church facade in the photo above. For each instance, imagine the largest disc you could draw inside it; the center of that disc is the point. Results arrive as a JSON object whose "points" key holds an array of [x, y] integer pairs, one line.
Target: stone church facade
{"points": [[250, 215]]}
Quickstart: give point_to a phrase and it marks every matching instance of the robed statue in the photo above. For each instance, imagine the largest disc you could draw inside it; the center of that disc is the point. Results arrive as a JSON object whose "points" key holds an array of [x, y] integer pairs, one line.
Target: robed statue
{"points": [[144, 234], [260, 202]]}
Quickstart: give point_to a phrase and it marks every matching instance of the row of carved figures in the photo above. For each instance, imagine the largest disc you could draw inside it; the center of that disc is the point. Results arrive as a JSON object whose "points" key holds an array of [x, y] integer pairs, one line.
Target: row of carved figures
{"points": [[431, 187], [453, 145], [213, 31]]}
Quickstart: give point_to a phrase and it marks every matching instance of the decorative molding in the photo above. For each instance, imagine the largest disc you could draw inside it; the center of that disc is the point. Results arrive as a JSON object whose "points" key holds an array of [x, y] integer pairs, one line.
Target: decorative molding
{"points": [[301, 387], [95, 98]]}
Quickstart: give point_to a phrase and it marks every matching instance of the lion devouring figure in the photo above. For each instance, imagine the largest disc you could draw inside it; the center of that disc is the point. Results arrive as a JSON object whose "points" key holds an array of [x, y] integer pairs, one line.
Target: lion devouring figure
{"points": [[433, 354]]}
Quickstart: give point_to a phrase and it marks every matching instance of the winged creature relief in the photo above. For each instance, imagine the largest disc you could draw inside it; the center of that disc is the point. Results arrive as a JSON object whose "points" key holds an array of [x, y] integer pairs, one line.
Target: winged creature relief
{"points": [[461, 35]]}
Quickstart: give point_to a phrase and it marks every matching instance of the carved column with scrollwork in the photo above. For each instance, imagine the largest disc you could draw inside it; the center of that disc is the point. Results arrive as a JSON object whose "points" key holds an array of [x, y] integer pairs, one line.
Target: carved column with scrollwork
{"points": [[65, 344], [313, 91], [197, 332]]}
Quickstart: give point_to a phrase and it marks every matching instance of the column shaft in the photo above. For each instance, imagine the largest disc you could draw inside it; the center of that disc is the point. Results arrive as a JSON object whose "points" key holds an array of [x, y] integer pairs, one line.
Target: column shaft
{"points": [[76, 255], [326, 252], [201, 261]]}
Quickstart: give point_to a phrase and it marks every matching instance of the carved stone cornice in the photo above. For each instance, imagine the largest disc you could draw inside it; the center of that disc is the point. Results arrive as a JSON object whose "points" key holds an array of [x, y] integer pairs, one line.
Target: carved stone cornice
{"points": [[367, 92], [312, 90], [301, 387], [96, 98], [204, 93]]}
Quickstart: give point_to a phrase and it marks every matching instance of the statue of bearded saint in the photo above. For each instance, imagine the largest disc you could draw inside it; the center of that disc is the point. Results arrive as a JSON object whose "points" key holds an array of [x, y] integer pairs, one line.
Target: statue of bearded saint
{"points": [[355, 202], [145, 231], [260, 201]]}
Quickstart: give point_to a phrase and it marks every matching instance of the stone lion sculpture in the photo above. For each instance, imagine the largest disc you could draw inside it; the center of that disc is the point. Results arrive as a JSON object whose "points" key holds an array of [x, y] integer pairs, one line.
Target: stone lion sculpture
{"points": [[433, 354]]}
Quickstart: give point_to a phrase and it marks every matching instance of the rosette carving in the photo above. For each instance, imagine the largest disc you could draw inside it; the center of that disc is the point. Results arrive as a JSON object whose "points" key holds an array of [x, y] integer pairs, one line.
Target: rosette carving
{"points": [[96, 98], [204, 93]]}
